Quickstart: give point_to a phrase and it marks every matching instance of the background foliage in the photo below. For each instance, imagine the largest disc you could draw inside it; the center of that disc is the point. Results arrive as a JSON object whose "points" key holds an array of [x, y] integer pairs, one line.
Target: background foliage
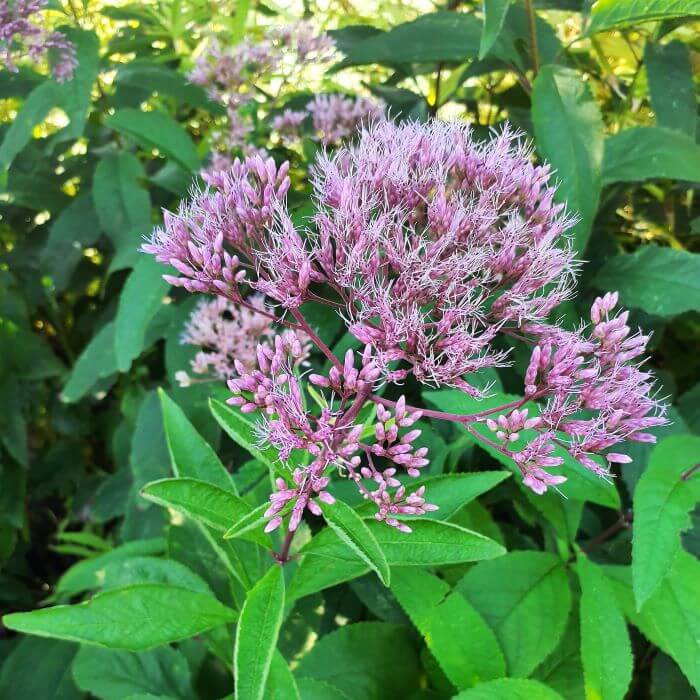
{"points": [[597, 595]]}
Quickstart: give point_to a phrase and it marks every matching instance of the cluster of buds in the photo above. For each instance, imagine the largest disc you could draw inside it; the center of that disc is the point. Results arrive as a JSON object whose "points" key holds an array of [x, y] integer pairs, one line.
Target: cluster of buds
{"points": [[429, 245], [21, 25], [331, 434]]}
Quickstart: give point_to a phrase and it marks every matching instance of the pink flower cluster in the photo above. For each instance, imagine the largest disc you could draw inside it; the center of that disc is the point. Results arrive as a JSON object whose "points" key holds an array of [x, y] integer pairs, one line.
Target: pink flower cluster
{"points": [[19, 24], [228, 333], [431, 246], [332, 435], [334, 118]]}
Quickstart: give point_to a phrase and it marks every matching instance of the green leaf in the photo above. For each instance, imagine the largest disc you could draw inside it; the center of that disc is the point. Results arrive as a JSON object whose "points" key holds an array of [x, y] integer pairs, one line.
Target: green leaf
{"points": [[661, 281], [525, 598], [310, 689], [368, 660], [135, 618], [75, 227], [463, 644], [157, 130], [494, 15], [662, 501], [432, 543], [190, 453], [352, 530], [242, 432], [509, 689], [670, 619], [608, 14], [199, 500], [256, 635], [140, 300], [439, 36], [21, 676], [114, 675], [671, 89], [88, 574], [450, 492], [605, 645], [569, 136], [280, 681], [123, 206], [33, 111], [643, 153], [143, 73], [97, 361]]}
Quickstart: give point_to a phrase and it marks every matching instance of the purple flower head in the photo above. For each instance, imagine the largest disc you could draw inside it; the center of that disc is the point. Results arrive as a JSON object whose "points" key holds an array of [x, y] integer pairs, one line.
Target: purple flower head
{"points": [[21, 26], [336, 118], [440, 243]]}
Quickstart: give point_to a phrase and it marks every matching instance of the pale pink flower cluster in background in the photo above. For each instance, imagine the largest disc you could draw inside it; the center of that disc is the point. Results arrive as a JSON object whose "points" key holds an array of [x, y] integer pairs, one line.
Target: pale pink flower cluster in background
{"points": [[438, 252], [228, 333], [334, 118], [21, 24]]}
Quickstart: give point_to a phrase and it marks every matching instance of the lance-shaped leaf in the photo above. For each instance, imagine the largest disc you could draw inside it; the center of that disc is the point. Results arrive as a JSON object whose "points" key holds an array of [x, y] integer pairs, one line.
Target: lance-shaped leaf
{"points": [[134, 618], [256, 635], [608, 14], [351, 529]]}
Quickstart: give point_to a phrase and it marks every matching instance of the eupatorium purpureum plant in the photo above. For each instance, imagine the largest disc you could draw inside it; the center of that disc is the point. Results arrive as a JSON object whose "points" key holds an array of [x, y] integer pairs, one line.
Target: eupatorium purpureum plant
{"points": [[432, 247]]}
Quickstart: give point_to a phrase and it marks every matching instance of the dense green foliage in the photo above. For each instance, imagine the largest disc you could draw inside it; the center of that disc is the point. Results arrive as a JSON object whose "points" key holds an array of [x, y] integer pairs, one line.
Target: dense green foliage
{"points": [[133, 562]]}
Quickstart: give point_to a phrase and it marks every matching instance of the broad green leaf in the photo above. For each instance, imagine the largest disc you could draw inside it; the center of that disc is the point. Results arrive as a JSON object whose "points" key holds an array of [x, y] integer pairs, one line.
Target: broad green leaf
{"points": [[581, 485], [662, 501], [256, 635], [368, 660], [670, 618], [661, 281], [74, 228], [432, 543], [605, 645], [569, 136], [450, 492], [33, 111], [671, 89], [525, 598], [311, 689], [609, 14], [41, 669], [135, 618], [242, 432], [439, 36], [509, 689], [667, 680], [494, 15], [97, 361], [87, 574], [251, 521], [143, 73], [140, 300], [462, 643], [13, 425], [156, 130], [643, 153], [190, 453], [352, 530], [123, 206], [114, 675], [199, 500]]}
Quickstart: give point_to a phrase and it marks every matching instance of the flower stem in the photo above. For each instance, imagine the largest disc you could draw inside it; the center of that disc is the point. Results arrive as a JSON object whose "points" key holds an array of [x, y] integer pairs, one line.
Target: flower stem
{"points": [[315, 338], [532, 28], [283, 555]]}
